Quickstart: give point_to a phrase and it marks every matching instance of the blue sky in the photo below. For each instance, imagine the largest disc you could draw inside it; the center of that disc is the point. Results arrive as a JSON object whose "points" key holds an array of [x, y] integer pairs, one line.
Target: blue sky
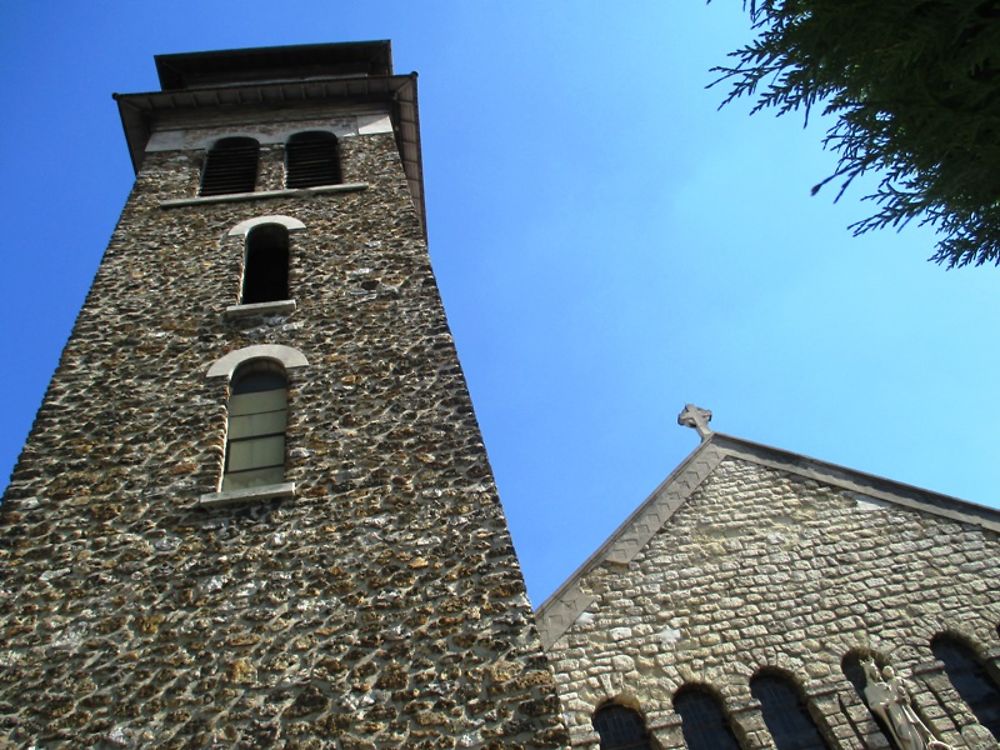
{"points": [[609, 246]]}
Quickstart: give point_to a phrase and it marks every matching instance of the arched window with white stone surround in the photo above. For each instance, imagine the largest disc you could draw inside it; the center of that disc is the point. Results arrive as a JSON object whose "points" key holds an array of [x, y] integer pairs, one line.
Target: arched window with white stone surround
{"points": [[265, 266], [258, 416], [621, 728]]}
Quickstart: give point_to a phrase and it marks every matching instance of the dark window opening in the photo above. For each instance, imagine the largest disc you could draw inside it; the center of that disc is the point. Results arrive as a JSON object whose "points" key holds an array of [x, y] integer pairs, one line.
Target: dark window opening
{"points": [[702, 720], [785, 713], [855, 674], [258, 414], [265, 271], [621, 728], [311, 159], [971, 680], [230, 167]]}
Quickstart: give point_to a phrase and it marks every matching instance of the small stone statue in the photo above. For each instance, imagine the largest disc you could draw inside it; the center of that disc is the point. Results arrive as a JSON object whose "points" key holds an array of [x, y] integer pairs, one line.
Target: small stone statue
{"points": [[888, 699]]}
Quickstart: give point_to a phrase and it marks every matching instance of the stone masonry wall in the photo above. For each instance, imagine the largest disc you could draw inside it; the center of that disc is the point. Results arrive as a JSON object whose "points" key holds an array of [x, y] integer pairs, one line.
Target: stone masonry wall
{"points": [[761, 568], [381, 607]]}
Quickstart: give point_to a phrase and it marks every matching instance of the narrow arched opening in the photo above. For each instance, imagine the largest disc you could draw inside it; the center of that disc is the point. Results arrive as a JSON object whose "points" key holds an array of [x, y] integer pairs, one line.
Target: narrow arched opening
{"points": [[258, 416], [265, 269], [621, 728], [853, 670], [971, 680], [785, 713], [703, 720]]}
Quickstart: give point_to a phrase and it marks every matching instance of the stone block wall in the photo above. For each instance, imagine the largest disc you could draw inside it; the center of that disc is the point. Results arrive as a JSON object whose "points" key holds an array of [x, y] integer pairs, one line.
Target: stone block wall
{"points": [[760, 568], [382, 606]]}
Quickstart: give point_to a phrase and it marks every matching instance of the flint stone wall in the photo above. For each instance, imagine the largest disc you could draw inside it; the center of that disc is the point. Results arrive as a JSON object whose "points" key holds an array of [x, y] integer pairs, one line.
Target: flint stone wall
{"points": [[760, 568], [381, 607]]}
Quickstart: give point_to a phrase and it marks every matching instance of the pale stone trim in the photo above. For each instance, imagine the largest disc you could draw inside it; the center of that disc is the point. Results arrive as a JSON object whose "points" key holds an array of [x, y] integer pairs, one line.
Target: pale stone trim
{"points": [[260, 308], [373, 124], [268, 127], [288, 357], [555, 616], [249, 495], [243, 228], [346, 187]]}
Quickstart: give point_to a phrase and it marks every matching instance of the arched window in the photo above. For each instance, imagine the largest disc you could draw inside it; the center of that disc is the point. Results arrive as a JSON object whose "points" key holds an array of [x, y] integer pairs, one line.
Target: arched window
{"points": [[621, 728], [311, 159], [970, 679], [785, 713], [265, 270], [258, 411], [703, 721], [230, 167], [855, 674]]}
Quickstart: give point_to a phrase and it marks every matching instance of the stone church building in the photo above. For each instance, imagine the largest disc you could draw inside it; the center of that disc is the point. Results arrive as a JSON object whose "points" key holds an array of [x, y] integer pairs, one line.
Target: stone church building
{"points": [[255, 510]]}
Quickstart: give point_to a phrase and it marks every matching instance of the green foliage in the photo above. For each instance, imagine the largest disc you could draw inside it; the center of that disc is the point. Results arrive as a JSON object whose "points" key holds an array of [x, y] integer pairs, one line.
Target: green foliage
{"points": [[915, 87]]}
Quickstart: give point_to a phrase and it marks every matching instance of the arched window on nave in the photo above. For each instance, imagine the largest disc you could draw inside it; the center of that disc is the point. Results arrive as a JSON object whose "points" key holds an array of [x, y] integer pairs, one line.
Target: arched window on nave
{"points": [[621, 728], [703, 720], [785, 713], [970, 679]]}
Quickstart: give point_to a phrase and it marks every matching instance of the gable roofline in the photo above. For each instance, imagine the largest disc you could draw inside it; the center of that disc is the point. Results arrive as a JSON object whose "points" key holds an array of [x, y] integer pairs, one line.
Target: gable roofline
{"points": [[558, 612]]}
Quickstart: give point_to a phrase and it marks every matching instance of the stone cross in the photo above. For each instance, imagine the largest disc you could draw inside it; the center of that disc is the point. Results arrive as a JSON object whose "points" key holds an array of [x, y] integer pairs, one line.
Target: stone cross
{"points": [[693, 416]]}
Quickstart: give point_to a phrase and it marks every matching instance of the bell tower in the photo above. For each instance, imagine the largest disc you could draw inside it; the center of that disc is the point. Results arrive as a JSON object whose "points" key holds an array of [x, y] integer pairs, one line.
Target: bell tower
{"points": [[254, 509]]}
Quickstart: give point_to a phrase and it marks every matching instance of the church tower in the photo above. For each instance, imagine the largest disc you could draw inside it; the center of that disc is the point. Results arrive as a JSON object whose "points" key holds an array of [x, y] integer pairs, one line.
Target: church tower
{"points": [[255, 509]]}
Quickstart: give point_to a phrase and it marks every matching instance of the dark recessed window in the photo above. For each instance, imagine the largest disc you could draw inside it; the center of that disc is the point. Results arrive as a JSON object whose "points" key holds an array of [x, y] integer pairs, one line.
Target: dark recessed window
{"points": [[265, 270], [703, 721], [970, 679], [855, 674], [258, 413], [311, 159], [785, 713], [230, 167], [621, 728]]}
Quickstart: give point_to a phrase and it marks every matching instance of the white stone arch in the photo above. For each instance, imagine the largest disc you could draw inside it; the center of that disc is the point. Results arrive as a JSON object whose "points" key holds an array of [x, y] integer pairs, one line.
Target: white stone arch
{"points": [[243, 228], [286, 356]]}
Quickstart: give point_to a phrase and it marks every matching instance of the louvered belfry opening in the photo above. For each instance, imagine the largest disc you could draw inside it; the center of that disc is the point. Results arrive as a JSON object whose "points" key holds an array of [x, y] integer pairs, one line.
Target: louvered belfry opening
{"points": [[265, 273], [311, 159], [230, 167]]}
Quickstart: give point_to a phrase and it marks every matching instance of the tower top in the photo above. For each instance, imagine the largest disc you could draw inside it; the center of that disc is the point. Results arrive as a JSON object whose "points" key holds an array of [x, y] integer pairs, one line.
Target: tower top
{"points": [[350, 74], [301, 62]]}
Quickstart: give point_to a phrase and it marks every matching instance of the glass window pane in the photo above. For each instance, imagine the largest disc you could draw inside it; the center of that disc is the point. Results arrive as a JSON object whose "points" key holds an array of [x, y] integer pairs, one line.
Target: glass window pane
{"points": [[256, 453], [268, 423], [254, 403]]}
